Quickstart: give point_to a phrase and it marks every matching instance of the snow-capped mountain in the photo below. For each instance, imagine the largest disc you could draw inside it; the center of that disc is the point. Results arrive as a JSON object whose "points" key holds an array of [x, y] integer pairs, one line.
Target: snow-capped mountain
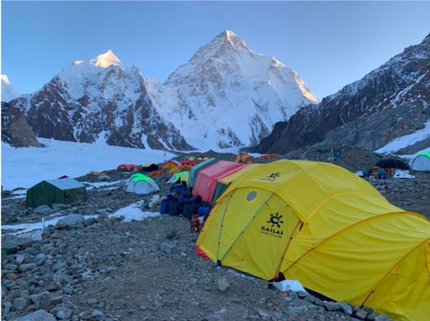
{"points": [[99, 100], [8, 92], [239, 92], [389, 102], [226, 95]]}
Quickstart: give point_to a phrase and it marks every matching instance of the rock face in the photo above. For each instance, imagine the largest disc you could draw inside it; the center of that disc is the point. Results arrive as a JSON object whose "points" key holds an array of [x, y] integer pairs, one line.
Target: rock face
{"points": [[15, 129], [389, 102]]}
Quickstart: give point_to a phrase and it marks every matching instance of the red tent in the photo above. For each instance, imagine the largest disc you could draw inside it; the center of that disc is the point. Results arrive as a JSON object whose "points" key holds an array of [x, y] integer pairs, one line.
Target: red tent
{"points": [[208, 177]]}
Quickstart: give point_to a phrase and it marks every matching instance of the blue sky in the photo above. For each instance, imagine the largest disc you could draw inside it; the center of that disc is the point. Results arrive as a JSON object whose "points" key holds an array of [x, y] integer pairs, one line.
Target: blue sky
{"points": [[329, 44]]}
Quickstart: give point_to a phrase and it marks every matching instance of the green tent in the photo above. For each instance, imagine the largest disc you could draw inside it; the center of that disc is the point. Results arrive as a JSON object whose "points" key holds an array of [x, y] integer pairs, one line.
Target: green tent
{"points": [[141, 184], [64, 191], [421, 162]]}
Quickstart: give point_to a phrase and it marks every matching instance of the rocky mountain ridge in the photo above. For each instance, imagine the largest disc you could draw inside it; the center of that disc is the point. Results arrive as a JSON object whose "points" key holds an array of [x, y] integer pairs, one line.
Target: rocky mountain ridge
{"points": [[67, 109], [389, 102]]}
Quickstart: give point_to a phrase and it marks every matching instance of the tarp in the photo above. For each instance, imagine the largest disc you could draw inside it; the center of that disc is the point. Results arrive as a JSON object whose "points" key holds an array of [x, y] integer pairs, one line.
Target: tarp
{"points": [[141, 184], [329, 229], [207, 178], [64, 191], [196, 168], [400, 173], [421, 162]]}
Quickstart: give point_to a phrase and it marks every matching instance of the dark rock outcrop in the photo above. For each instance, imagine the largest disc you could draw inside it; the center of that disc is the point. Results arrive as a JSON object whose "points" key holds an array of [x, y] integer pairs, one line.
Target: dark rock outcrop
{"points": [[15, 129]]}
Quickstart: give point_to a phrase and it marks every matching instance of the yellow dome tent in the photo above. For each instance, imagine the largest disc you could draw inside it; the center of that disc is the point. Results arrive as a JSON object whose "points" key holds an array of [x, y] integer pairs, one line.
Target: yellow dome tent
{"points": [[329, 229]]}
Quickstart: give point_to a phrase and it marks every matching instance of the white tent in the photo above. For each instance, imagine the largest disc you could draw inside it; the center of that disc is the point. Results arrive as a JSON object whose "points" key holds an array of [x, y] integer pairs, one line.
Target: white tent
{"points": [[421, 162], [141, 184]]}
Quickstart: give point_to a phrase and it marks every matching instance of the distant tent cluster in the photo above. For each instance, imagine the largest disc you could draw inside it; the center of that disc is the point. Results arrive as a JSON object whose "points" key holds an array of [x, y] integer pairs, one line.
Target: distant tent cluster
{"points": [[177, 171]]}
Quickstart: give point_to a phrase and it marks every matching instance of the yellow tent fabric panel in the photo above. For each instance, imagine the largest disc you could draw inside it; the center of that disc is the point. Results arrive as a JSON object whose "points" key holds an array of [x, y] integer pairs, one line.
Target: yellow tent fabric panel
{"points": [[234, 235], [295, 181], [338, 214], [372, 257], [409, 297], [329, 229]]}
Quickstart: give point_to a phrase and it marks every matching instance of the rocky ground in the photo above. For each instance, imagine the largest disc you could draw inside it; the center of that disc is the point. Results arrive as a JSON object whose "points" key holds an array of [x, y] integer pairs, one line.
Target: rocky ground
{"points": [[105, 268]]}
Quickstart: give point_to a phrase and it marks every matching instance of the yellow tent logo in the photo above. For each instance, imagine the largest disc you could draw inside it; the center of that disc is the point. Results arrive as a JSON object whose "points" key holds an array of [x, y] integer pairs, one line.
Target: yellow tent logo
{"points": [[275, 222], [272, 177], [275, 219]]}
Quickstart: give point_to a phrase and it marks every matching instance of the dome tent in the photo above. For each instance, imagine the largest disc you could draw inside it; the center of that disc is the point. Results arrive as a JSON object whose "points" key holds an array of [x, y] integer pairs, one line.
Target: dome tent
{"points": [[327, 228], [392, 163], [421, 162], [141, 184]]}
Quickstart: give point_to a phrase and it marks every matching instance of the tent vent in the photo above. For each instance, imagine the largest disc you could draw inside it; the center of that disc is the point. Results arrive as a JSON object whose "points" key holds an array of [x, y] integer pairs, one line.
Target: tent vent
{"points": [[251, 196]]}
